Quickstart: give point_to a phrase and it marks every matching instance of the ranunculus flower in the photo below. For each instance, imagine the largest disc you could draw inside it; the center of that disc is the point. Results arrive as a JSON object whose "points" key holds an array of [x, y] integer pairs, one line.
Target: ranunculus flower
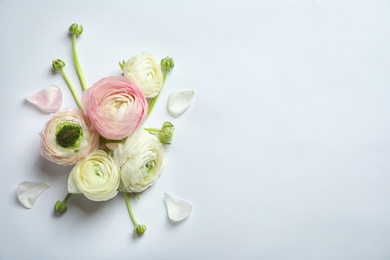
{"points": [[96, 176], [145, 72], [68, 137], [140, 161], [115, 106]]}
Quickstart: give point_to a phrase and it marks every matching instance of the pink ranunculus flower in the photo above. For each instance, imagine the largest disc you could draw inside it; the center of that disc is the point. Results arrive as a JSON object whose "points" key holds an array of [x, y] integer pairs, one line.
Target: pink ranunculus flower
{"points": [[68, 137], [115, 106]]}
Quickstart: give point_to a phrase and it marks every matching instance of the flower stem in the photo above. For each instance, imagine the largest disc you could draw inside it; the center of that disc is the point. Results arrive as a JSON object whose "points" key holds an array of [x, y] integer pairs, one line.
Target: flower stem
{"points": [[77, 63], [152, 130], [151, 105], [165, 75], [130, 209], [66, 197], [139, 229], [70, 85]]}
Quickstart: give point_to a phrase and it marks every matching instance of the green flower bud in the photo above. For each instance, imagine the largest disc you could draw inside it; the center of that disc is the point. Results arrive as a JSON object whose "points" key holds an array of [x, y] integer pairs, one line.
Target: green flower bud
{"points": [[139, 230], [122, 64], [167, 63], [166, 133], [58, 65], [60, 207], [76, 29]]}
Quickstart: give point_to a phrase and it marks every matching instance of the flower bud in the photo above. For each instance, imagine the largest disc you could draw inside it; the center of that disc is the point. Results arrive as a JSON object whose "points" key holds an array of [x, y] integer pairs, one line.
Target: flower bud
{"points": [[139, 230], [58, 65], [167, 63], [76, 29], [60, 208], [122, 64], [166, 133]]}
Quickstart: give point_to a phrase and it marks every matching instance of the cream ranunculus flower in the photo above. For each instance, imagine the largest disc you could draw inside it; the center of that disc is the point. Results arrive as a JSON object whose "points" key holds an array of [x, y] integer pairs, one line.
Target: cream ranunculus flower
{"points": [[96, 176], [140, 161], [145, 72], [68, 137]]}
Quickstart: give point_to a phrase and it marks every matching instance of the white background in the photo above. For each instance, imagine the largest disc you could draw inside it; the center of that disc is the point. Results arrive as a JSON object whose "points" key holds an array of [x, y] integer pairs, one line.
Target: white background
{"points": [[284, 153]]}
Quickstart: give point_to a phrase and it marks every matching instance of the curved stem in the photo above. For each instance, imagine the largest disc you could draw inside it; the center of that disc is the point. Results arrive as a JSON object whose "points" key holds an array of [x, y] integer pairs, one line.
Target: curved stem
{"points": [[70, 85], [151, 105], [129, 208], [77, 63]]}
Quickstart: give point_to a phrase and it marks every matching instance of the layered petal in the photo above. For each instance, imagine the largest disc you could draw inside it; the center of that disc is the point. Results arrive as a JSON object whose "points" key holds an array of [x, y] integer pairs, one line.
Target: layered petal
{"points": [[145, 72], [96, 176], [115, 106], [68, 137], [140, 161]]}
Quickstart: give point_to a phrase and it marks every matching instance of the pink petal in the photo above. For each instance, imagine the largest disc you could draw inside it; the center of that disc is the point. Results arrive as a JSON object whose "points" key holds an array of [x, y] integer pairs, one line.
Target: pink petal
{"points": [[48, 100]]}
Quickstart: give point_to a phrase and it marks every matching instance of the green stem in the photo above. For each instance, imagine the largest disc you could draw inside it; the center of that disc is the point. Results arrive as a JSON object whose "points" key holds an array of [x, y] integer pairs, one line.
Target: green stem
{"points": [[129, 208], [77, 63], [165, 76], [151, 105], [70, 85], [66, 197], [154, 130]]}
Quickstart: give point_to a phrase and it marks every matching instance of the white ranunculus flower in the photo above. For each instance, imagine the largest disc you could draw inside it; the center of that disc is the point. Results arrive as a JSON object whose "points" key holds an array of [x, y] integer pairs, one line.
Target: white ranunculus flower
{"points": [[96, 176], [145, 72], [68, 137], [140, 161]]}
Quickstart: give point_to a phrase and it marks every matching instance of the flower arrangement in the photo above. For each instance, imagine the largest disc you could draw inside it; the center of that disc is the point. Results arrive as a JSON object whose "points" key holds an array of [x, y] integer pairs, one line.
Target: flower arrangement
{"points": [[104, 138]]}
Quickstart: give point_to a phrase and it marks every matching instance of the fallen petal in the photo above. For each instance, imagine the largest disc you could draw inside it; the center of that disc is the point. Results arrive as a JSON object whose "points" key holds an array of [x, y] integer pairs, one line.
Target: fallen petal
{"points": [[179, 102], [28, 192], [178, 209], [48, 100]]}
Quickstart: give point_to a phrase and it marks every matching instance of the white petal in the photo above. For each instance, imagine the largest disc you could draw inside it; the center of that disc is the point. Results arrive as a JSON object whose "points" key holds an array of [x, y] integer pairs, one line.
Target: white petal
{"points": [[179, 102], [178, 209], [48, 100], [72, 186], [28, 192]]}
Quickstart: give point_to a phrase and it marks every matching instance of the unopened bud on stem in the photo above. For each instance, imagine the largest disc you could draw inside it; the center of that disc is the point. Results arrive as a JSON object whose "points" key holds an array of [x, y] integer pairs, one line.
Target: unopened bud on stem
{"points": [[58, 65], [76, 29], [167, 63], [139, 230]]}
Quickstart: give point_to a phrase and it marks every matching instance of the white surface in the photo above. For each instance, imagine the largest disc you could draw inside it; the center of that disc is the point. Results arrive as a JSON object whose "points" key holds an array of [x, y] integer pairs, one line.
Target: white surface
{"points": [[284, 153]]}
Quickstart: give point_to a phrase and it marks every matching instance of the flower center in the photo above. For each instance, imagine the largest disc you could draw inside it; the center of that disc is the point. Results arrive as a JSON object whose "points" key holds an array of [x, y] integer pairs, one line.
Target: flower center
{"points": [[149, 166], [68, 135]]}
